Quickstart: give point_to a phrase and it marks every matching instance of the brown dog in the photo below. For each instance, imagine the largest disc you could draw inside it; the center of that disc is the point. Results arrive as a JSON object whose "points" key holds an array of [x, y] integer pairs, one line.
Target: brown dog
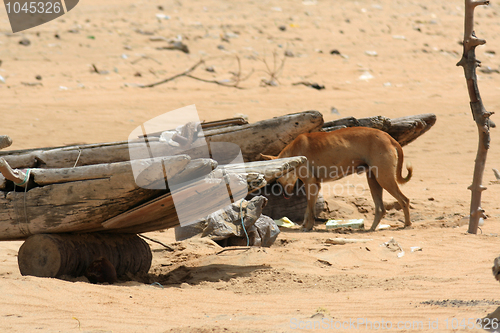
{"points": [[334, 155]]}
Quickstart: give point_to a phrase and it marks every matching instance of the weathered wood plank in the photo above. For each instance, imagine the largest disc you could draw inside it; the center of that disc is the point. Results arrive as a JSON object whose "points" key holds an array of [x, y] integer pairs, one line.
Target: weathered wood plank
{"points": [[266, 136], [403, 129], [194, 201], [76, 205], [270, 136], [173, 165], [271, 169]]}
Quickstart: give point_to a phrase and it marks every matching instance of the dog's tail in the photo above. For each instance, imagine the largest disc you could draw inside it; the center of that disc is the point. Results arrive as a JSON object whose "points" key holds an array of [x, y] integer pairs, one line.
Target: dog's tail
{"points": [[399, 169]]}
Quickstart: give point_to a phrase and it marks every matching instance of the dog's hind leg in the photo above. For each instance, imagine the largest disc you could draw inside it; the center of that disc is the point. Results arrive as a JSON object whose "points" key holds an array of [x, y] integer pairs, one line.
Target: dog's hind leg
{"points": [[376, 191], [393, 189], [312, 192]]}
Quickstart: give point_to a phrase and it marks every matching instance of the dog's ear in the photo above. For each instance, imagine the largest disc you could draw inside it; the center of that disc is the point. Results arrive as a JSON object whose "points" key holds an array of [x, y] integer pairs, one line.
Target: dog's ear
{"points": [[267, 157]]}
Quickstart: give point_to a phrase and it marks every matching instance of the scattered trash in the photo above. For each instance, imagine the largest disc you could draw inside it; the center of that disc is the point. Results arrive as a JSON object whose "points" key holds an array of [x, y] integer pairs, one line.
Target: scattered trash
{"points": [[488, 70], [2, 80], [285, 222], [415, 248], [383, 226], [158, 39], [354, 223], [143, 32], [399, 37], [161, 16], [271, 83], [63, 88], [277, 9], [371, 53], [95, 70], [327, 263], [342, 241], [365, 76], [91, 37], [25, 42], [334, 111], [32, 84], [175, 45], [235, 225], [497, 173], [309, 2], [394, 246], [309, 84]]}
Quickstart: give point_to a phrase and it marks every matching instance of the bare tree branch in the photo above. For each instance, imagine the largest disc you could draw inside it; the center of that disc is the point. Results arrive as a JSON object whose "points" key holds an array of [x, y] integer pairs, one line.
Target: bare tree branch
{"points": [[479, 113]]}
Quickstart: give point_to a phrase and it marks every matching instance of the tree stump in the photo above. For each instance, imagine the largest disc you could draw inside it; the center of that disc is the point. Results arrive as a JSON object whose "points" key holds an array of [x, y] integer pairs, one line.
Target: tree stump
{"points": [[55, 255]]}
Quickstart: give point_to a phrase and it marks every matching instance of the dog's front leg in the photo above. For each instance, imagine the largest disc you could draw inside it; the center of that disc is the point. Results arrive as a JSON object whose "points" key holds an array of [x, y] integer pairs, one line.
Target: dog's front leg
{"points": [[312, 192]]}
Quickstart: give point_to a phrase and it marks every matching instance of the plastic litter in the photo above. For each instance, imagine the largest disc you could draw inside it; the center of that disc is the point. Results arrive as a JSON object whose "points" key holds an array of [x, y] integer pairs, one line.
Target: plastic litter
{"points": [[355, 224], [285, 222]]}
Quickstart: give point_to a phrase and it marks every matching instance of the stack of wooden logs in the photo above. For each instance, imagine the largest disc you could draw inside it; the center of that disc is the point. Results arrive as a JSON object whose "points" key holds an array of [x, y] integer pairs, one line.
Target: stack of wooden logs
{"points": [[92, 187]]}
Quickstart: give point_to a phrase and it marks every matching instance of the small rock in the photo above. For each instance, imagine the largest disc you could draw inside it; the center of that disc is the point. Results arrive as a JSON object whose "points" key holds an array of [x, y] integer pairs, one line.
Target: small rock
{"points": [[221, 47], [38, 77], [210, 69], [335, 52], [317, 86], [334, 110], [138, 74], [57, 36], [289, 53], [282, 28], [162, 17], [25, 42], [366, 76]]}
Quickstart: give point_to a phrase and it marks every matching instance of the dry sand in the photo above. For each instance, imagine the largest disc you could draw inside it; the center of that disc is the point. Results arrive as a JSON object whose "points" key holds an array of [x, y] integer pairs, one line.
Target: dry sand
{"points": [[301, 280]]}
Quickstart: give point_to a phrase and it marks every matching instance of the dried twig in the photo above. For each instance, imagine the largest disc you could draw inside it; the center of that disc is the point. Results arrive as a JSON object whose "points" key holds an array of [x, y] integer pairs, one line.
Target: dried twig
{"points": [[275, 72], [480, 115], [158, 242], [234, 84], [185, 73]]}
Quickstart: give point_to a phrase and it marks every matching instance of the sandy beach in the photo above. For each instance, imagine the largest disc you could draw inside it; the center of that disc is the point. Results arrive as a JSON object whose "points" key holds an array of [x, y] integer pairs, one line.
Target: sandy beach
{"points": [[79, 78]]}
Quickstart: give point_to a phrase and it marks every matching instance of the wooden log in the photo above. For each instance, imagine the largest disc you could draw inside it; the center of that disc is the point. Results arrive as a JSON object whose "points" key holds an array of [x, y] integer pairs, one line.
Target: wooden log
{"points": [[193, 202], [403, 129], [271, 169], [56, 255], [173, 165], [267, 136], [77, 205]]}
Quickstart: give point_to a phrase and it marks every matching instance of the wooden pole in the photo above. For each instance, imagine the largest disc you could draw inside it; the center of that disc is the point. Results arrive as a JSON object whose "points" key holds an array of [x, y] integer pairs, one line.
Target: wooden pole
{"points": [[479, 114]]}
